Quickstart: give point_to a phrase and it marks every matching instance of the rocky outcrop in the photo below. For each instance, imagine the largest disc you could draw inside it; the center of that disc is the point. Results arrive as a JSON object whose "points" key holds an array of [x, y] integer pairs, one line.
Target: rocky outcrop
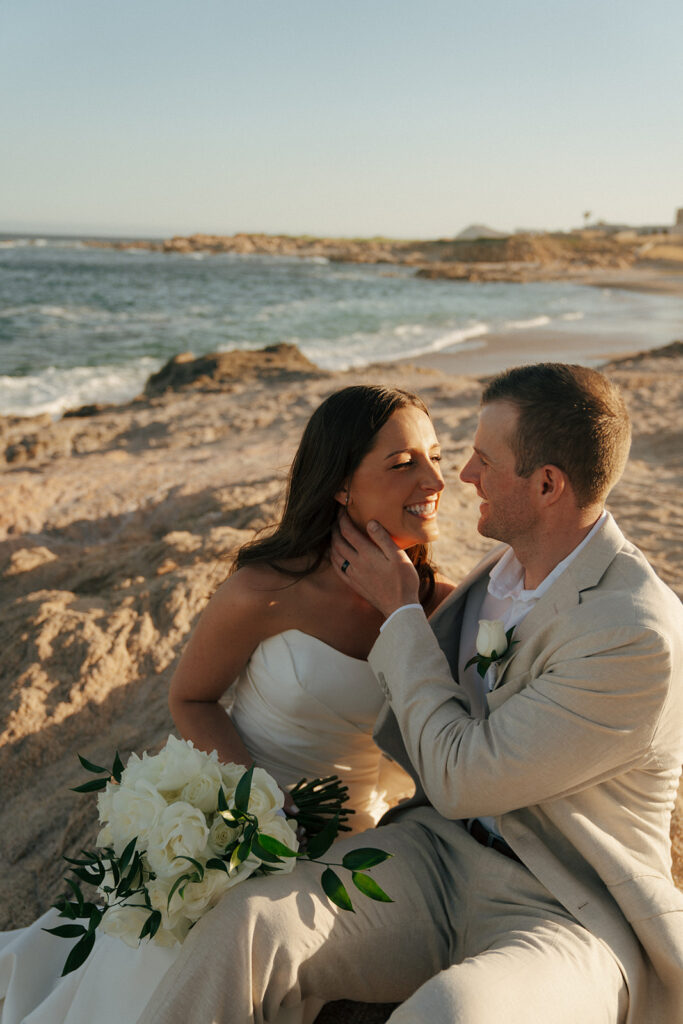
{"points": [[219, 370]]}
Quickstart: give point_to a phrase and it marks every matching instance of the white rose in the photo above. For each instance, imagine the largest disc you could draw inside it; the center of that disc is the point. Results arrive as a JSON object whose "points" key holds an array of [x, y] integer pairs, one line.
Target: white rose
{"points": [[231, 775], [198, 897], [202, 790], [266, 798], [146, 767], [491, 638], [104, 801], [105, 837], [125, 923], [179, 762], [180, 831], [221, 835], [173, 922], [133, 812]]}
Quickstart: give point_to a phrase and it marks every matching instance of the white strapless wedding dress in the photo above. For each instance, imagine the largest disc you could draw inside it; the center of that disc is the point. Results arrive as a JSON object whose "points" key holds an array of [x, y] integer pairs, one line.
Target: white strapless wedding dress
{"points": [[304, 710]]}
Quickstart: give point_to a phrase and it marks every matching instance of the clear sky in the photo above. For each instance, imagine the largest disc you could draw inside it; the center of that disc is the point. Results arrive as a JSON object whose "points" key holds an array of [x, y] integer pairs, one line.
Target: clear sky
{"points": [[349, 117]]}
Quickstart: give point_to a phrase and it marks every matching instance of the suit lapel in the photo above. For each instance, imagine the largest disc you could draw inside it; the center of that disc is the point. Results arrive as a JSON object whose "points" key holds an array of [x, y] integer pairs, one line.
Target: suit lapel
{"points": [[584, 573]]}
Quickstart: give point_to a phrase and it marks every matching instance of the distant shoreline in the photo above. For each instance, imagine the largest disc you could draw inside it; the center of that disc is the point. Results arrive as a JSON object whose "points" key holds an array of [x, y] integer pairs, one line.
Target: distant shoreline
{"points": [[638, 263]]}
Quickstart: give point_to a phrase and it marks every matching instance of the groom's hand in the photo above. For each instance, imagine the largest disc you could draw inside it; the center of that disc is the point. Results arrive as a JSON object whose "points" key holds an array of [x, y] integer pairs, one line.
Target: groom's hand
{"points": [[373, 566]]}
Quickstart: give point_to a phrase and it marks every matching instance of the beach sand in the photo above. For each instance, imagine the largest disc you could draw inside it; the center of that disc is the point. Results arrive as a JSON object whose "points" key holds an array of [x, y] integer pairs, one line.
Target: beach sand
{"points": [[115, 528]]}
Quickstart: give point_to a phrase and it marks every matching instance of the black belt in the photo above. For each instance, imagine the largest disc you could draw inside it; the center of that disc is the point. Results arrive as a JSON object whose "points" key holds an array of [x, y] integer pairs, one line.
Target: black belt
{"points": [[486, 838]]}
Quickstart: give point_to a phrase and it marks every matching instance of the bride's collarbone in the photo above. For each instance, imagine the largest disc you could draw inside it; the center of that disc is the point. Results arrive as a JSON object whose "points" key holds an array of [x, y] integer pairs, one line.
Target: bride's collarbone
{"points": [[340, 620]]}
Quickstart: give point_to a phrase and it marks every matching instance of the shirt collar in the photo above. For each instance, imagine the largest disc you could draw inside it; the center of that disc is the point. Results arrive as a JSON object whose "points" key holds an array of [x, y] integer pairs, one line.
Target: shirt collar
{"points": [[506, 579]]}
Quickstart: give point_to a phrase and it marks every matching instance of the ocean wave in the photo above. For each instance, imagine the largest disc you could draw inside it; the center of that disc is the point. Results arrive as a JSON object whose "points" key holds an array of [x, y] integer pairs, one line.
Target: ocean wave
{"points": [[54, 390], [572, 316], [360, 349], [452, 339], [521, 325]]}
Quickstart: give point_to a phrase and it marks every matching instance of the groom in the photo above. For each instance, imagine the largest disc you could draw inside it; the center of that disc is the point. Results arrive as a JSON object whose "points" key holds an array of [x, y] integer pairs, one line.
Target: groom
{"points": [[531, 871]]}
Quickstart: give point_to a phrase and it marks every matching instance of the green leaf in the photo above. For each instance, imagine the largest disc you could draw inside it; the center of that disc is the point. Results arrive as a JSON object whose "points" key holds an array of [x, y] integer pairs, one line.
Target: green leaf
{"points": [[76, 890], [334, 889], [222, 802], [196, 863], [176, 885], [89, 860], [216, 864], [66, 931], [239, 854], [134, 875], [117, 767], [320, 843], [90, 767], [275, 846], [79, 954], [90, 787], [230, 817], [96, 915], [243, 790], [65, 908], [369, 887], [363, 858], [88, 875], [125, 857], [151, 925], [265, 856]]}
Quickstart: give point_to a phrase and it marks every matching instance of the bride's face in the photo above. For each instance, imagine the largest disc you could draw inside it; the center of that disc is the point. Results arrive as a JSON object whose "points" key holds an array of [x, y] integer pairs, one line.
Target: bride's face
{"points": [[399, 481]]}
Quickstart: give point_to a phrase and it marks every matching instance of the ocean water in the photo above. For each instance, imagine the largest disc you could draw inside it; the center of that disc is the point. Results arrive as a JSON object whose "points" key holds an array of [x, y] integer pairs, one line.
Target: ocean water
{"points": [[81, 325]]}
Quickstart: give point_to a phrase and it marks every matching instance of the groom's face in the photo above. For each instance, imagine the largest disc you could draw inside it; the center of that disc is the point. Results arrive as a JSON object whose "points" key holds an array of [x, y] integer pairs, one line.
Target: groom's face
{"points": [[507, 511]]}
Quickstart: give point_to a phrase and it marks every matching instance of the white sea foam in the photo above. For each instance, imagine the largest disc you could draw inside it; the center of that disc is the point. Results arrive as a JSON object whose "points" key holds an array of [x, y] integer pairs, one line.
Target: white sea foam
{"points": [[409, 330], [449, 340], [54, 390], [361, 349], [521, 325], [572, 316]]}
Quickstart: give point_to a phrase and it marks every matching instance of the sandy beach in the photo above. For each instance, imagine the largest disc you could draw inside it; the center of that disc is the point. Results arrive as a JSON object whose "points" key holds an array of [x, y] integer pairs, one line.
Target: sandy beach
{"points": [[115, 528]]}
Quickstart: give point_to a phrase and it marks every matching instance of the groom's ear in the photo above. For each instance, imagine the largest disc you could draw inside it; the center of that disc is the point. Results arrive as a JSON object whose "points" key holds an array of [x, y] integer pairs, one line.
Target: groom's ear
{"points": [[552, 484]]}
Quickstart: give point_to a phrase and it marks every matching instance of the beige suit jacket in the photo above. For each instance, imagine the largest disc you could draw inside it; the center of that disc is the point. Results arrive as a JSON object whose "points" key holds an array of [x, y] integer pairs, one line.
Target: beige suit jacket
{"points": [[576, 752]]}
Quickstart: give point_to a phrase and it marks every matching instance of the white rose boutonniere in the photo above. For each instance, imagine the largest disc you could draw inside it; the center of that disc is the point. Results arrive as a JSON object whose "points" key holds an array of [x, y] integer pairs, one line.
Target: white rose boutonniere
{"points": [[493, 643]]}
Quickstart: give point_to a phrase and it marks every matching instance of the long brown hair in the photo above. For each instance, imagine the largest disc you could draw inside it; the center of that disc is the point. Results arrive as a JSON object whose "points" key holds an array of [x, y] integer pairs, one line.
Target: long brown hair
{"points": [[339, 434]]}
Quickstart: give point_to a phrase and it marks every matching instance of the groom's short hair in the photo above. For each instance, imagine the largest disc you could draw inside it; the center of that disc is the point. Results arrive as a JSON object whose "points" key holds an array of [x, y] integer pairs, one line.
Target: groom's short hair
{"points": [[571, 417]]}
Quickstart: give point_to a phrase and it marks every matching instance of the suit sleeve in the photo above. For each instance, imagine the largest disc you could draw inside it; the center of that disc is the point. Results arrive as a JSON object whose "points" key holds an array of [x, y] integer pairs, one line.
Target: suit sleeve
{"points": [[589, 714]]}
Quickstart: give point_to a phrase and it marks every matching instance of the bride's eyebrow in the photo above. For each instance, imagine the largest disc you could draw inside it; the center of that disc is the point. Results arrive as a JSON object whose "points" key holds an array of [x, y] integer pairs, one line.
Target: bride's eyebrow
{"points": [[407, 451]]}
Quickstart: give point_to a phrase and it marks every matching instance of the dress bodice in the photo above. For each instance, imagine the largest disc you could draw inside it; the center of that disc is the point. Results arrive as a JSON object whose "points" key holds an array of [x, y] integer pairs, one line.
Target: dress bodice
{"points": [[305, 709]]}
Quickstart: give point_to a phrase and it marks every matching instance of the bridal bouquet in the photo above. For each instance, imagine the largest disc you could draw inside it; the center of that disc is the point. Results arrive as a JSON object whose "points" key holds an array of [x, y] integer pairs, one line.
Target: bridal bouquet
{"points": [[179, 830]]}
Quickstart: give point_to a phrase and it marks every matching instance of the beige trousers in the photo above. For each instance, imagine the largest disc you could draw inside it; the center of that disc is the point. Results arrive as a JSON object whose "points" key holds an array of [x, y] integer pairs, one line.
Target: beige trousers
{"points": [[471, 937]]}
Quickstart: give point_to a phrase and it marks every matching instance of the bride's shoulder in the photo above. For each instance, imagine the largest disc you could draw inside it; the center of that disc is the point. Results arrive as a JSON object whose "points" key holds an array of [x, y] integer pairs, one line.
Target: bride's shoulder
{"points": [[256, 587]]}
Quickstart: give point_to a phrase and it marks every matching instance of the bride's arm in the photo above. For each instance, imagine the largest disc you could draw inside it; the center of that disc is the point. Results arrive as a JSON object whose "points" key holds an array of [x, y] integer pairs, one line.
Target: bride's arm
{"points": [[242, 612]]}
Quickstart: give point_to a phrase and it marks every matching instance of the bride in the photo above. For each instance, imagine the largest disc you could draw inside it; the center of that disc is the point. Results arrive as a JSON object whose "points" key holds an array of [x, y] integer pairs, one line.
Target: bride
{"points": [[293, 639]]}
